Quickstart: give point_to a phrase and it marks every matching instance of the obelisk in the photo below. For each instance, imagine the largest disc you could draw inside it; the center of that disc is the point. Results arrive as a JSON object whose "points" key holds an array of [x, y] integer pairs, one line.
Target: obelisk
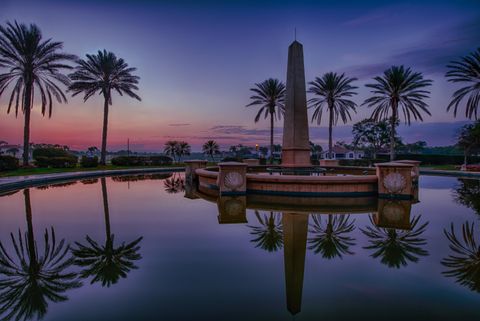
{"points": [[296, 147]]}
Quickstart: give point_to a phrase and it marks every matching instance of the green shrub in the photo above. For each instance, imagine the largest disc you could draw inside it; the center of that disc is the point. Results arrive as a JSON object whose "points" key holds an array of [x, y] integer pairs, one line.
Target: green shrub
{"points": [[364, 162], [160, 160], [49, 152], [129, 161], [8, 163], [57, 162], [432, 159], [89, 161], [232, 159]]}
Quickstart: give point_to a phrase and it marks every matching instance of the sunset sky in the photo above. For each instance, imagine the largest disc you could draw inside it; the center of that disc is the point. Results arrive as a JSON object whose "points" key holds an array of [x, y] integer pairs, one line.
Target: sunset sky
{"points": [[198, 59]]}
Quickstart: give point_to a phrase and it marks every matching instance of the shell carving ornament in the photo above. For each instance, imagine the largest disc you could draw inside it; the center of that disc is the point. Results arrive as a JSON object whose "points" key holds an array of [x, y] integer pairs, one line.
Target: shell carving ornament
{"points": [[233, 180], [394, 183]]}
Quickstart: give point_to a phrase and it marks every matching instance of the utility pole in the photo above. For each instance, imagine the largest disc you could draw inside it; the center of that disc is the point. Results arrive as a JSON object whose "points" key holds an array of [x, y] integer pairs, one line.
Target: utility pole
{"points": [[128, 147]]}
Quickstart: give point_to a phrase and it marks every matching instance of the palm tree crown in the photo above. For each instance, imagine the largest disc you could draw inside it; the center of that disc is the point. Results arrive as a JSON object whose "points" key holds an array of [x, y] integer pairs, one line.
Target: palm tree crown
{"points": [[31, 63], [104, 73], [331, 95], [398, 90], [211, 148], [466, 71], [270, 97]]}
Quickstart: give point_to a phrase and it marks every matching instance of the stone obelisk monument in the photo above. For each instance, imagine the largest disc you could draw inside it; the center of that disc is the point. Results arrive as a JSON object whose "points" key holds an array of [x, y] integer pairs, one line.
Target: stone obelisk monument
{"points": [[295, 148]]}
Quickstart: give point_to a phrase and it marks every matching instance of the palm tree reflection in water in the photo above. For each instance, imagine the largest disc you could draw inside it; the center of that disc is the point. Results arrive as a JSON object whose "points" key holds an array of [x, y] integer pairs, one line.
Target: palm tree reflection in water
{"points": [[464, 263], [331, 239], [467, 193], [29, 278], [174, 184], [269, 234], [107, 263], [394, 247]]}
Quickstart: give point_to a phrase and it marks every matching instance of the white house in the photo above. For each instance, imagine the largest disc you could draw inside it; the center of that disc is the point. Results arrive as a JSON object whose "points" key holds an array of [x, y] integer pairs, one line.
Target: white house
{"points": [[340, 152]]}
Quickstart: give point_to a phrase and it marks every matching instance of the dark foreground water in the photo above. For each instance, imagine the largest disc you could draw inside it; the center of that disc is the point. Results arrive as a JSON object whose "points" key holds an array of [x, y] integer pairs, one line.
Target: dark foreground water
{"points": [[137, 249]]}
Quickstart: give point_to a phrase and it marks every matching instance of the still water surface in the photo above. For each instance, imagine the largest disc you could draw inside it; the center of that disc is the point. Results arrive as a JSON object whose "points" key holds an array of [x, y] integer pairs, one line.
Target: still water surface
{"points": [[134, 248]]}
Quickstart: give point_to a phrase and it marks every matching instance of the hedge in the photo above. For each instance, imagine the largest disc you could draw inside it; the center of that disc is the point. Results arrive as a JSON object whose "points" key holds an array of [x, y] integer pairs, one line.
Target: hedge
{"points": [[141, 160], [57, 162], [86, 161], [8, 163], [50, 152], [431, 159]]}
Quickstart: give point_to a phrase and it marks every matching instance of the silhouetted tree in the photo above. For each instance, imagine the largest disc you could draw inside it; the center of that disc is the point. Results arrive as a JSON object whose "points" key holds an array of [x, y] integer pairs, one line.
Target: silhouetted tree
{"points": [[331, 95], [398, 90], [31, 62], [104, 73]]}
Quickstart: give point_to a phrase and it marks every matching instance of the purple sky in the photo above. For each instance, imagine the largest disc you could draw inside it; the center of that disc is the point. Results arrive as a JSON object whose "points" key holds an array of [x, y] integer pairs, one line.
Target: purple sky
{"points": [[197, 61]]}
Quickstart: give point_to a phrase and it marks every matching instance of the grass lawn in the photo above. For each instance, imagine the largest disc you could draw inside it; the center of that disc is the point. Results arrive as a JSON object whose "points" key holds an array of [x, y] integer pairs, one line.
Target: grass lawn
{"points": [[37, 171], [442, 167]]}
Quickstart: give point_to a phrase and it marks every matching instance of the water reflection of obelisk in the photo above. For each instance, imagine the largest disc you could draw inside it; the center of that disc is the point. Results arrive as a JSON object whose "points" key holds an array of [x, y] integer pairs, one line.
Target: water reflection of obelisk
{"points": [[295, 148], [295, 228]]}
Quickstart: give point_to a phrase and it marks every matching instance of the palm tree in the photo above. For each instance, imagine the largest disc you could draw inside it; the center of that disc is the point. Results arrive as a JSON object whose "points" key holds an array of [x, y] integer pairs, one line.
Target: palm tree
{"points": [[467, 72], [399, 89], [170, 149], [31, 63], [107, 263], [269, 235], [103, 73], [332, 240], [31, 278], [270, 96], [211, 148], [331, 93], [182, 149], [397, 248], [464, 263]]}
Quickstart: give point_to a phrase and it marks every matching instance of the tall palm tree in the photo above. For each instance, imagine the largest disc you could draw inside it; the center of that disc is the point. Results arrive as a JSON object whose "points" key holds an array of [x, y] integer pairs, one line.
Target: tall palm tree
{"points": [[466, 71], [394, 247], [398, 90], [31, 278], [270, 97], [31, 63], [464, 263], [182, 149], [107, 263], [104, 73], [331, 95], [211, 148], [332, 239], [170, 149], [269, 235]]}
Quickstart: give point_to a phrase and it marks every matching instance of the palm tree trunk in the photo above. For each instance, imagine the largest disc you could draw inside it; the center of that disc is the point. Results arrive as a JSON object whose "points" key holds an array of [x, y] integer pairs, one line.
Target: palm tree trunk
{"points": [[393, 121], [271, 138], [103, 155], [30, 236], [330, 131], [26, 128], [106, 211]]}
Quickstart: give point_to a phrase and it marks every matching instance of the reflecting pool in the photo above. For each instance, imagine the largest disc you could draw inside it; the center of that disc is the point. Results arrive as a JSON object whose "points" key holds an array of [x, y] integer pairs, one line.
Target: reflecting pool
{"points": [[147, 248]]}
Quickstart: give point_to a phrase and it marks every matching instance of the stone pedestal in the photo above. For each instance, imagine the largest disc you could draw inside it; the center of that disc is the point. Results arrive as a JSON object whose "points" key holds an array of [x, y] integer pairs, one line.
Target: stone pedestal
{"points": [[395, 180], [415, 168], [191, 166], [329, 162], [252, 161], [232, 209], [232, 179], [393, 214]]}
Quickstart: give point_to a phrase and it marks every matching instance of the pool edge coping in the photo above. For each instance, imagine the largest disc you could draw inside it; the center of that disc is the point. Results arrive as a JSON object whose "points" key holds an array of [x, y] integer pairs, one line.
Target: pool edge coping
{"points": [[19, 182]]}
